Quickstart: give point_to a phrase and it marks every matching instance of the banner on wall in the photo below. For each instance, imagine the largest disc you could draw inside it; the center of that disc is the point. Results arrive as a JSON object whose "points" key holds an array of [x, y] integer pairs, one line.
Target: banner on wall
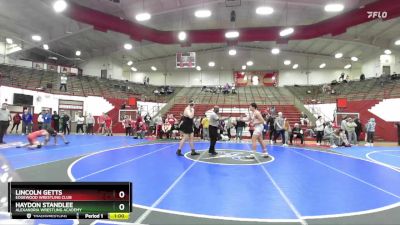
{"points": [[38, 65], [51, 67], [65, 70], [250, 78]]}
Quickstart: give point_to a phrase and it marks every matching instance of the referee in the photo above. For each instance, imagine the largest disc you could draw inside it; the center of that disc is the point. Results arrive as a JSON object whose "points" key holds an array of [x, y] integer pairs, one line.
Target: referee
{"points": [[5, 118], [213, 130]]}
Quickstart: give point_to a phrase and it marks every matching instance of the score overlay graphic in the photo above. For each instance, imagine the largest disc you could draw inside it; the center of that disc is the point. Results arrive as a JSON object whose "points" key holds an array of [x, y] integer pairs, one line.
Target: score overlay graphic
{"points": [[79, 200]]}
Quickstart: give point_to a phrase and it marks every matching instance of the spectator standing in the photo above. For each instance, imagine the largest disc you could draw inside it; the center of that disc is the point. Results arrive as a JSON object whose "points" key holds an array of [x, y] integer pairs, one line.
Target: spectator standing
{"points": [[5, 118], [196, 126], [126, 123], [280, 128], [16, 121], [229, 125], [358, 128], [46, 120], [271, 124], [65, 124], [26, 122], [101, 120], [90, 121], [240, 125], [40, 120], [370, 129], [351, 131], [205, 123], [56, 121], [108, 123], [63, 82], [287, 131], [80, 120], [319, 128], [147, 119]]}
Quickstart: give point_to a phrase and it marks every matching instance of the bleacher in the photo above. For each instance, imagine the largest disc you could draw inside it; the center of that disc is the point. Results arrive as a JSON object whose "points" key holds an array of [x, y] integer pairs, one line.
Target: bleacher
{"points": [[48, 81], [244, 95], [376, 88]]}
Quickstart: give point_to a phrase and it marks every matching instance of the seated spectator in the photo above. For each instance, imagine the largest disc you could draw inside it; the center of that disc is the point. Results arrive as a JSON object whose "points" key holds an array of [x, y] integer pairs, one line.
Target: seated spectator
{"points": [[297, 133], [156, 92], [304, 119], [175, 130], [141, 130], [330, 136], [343, 139], [166, 129], [233, 88], [162, 90], [170, 90]]}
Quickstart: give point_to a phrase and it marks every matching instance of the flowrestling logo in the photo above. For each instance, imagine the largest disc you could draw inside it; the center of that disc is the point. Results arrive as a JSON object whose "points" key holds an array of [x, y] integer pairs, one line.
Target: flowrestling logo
{"points": [[377, 14], [230, 157]]}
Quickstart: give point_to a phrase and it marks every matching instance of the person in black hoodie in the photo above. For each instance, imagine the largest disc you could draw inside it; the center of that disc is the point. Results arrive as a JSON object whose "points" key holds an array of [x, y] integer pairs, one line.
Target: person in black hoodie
{"points": [[358, 128], [271, 122], [56, 121]]}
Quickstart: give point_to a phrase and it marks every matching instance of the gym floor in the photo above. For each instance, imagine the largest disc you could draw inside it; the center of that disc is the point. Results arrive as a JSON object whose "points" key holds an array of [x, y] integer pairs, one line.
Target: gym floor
{"points": [[298, 185]]}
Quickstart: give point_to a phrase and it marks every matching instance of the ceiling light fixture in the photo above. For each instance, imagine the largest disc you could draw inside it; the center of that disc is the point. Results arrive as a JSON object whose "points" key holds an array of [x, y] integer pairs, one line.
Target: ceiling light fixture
{"points": [[287, 62], [323, 65], [211, 64], [275, 51], [133, 69], [295, 66], [144, 16], [397, 42], [244, 67], [46, 47], [264, 10], [335, 7], [128, 46], [9, 41], [36, 37], [202, 13], [232, 34], [198, 68], [338, 55], [153, 68], [286, 32], [388, 52], [249, 63], [59, 6], [354, 59], [78, 53], [182, 35], [348, 66], [232, 52], [129, 63]]}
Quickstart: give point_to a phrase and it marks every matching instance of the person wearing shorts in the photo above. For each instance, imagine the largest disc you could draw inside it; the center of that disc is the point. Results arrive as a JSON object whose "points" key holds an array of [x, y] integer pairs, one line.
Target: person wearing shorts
{"points": [[108, 125], [187, 129], [33, 141], [258, 121], [101, 122]]}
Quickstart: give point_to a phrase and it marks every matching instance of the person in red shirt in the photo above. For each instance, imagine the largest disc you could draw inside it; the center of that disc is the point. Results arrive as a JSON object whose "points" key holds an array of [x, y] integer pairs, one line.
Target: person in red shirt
{"points": [[16, 121], [101, 122], [33, 141], [108, 123]]}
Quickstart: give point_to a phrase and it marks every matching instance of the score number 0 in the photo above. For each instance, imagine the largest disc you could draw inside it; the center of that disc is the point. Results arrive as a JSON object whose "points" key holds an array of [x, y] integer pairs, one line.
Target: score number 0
{"points": [[121, 206]]}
